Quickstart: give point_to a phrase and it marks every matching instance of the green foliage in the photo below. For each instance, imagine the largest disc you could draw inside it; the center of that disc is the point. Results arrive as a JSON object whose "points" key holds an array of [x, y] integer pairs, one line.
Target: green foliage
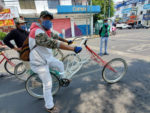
{"points": [[2, 35], [104, 4]]}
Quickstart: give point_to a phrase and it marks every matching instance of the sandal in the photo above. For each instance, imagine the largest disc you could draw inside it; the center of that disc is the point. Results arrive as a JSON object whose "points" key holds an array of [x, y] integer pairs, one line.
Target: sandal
{"points": [[53, 110]]}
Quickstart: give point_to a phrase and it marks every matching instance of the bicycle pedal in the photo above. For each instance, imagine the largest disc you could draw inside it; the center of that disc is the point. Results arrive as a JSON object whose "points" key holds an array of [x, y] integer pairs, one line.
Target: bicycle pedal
{"points": [[64, 82]]}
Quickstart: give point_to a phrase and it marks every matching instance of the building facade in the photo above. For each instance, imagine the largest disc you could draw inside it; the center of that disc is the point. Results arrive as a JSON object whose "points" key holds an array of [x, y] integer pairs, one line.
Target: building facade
{"points": [[68, 24], [133, 12]]}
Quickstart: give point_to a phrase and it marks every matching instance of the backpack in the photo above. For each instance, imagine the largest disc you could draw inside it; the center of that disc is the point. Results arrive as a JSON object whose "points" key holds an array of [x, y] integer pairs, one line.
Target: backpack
{"points": [[25, 50]]}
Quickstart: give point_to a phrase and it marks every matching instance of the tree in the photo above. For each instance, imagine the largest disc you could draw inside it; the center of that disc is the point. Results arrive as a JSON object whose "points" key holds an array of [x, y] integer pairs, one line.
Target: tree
{"points": [[104, 4]]}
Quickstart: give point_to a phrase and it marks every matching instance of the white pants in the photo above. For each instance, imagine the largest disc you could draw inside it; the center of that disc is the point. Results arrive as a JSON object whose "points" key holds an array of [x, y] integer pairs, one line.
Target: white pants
{"points": [[44, 74]]}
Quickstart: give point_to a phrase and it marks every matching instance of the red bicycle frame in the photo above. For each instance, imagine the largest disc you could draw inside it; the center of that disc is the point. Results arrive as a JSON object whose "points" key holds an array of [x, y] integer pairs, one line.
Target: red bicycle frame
{"points": [[4, 57], [97, 58]]}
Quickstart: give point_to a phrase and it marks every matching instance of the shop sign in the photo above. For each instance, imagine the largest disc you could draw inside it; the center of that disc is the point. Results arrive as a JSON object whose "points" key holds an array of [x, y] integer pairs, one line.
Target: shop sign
{"points": [[146, 6], [6, 19], [77, 9], [146, 17]]}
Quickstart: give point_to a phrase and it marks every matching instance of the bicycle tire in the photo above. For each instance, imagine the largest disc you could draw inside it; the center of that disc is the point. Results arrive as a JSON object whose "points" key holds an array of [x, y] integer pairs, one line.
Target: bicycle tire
{"points": [[8, 69], [115, 75], [39, 82], [24, 74], [72, 64]]}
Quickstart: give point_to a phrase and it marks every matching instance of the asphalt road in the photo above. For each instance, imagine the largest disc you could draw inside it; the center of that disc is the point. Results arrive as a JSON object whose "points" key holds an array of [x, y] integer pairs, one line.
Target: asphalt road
{"points": [[88, 93]]}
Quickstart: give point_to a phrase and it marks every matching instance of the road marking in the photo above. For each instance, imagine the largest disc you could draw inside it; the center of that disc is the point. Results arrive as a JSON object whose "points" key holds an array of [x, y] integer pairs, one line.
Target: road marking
{"points": [[12, 93], [23, 90]]}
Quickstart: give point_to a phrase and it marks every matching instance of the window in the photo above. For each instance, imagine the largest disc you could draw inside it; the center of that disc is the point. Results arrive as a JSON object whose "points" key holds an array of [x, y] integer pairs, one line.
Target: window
{"points": [[117, 16], [118, 9], [141, 12], [76, 2], [148, 12], [134, 5], [52, 4], [133, 13], [124, 15], [148, 1], [27, 4], [143, 2]]}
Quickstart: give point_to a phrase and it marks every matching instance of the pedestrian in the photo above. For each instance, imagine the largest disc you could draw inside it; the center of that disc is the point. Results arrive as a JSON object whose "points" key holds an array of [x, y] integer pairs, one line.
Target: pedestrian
{"points": [[18, 35], [41, 43], [104, 35]]}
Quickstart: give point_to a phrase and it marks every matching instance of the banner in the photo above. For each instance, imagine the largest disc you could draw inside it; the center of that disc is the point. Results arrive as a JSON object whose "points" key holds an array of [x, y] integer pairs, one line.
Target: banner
{"points": [[146, 17], [6, 18]]}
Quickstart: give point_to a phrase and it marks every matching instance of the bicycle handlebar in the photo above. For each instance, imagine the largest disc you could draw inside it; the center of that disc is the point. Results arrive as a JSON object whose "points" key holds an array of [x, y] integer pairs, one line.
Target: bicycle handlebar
{"points": [[85, 41]]}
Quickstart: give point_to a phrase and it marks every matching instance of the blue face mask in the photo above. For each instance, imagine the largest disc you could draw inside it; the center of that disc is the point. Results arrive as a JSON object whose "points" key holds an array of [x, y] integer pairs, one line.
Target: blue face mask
{"points": [[105, 23], [23, 27], [47, 24]]}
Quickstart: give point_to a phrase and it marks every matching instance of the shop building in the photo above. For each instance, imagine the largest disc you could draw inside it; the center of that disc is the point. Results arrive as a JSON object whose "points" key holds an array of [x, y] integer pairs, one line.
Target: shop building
{"points": [[133, 12], [72, 17]]}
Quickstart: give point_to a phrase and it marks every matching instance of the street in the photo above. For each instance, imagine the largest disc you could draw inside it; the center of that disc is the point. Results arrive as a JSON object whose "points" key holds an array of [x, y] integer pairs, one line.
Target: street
{"points": [[88, 92]]}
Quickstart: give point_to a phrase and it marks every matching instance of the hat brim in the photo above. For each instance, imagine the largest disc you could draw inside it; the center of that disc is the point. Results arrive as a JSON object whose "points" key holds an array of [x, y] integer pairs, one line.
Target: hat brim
{"points": [[48, 16], [22, 22]]}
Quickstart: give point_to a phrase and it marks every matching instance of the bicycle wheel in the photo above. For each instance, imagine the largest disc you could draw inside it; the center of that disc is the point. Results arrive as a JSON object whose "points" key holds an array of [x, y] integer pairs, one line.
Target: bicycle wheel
{"points": [[10, 66], [72, 64], [114, 70], [21, 72], [34, 86]]}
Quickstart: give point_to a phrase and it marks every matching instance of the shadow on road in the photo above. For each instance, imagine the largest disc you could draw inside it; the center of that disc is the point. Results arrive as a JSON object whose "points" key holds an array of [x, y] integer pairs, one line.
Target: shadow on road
{"points": [[89, 93]]}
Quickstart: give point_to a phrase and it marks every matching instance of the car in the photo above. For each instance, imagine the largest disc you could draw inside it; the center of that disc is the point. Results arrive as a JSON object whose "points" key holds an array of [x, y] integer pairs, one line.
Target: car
{"points": [[139, 26], [123, 26]]}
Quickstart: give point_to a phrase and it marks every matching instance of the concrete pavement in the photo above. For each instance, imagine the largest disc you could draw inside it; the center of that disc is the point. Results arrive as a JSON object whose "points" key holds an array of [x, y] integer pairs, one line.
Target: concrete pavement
{"points": [[88, 93]]}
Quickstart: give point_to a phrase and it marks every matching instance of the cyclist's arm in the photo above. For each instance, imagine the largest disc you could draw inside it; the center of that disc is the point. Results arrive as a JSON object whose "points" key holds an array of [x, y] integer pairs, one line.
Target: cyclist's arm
{"points": [[43, 40], [56, 36]]}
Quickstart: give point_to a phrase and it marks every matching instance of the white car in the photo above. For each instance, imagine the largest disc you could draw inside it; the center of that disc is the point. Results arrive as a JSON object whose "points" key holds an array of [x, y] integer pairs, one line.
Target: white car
{"points": [[123, 26]]}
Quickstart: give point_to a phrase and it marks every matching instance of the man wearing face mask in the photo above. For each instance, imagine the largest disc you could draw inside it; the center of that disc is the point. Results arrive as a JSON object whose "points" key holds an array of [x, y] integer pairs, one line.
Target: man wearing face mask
{"points": [[104, 34], [18, 35], [41, 42]]}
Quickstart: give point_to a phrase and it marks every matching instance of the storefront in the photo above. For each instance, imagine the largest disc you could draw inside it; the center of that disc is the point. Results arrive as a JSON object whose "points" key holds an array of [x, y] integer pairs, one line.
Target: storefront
{"points": [[79, 20], [146, 18]]}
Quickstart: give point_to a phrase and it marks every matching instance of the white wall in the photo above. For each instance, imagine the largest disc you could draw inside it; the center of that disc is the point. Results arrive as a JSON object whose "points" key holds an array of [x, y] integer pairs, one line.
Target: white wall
{"points": [[40, 6], [65, 2]]}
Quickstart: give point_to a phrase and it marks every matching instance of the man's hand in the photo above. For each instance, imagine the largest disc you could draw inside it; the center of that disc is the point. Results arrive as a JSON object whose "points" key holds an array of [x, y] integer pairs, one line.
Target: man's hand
{"points": [[77, 49], [70, 42], [17, 49]]}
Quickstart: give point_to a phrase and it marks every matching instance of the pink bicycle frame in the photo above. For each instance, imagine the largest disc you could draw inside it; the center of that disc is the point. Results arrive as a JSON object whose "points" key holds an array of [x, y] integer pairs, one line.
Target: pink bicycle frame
{"points": [[98, 59], [4, 57]]}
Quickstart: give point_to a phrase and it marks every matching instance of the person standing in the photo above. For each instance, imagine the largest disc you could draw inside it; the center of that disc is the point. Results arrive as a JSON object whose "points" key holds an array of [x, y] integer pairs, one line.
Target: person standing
{"points": [[104, 35], [19, 35]]}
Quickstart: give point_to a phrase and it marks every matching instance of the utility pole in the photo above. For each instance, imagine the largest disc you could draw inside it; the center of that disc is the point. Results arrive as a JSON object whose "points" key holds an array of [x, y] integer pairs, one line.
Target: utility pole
{"points": [[91, 19], [104, 8], [109, 8]]}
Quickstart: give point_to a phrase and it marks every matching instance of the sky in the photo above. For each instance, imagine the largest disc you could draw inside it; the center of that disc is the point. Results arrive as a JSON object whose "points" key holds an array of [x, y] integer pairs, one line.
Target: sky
{"points": [[118, 1]]}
